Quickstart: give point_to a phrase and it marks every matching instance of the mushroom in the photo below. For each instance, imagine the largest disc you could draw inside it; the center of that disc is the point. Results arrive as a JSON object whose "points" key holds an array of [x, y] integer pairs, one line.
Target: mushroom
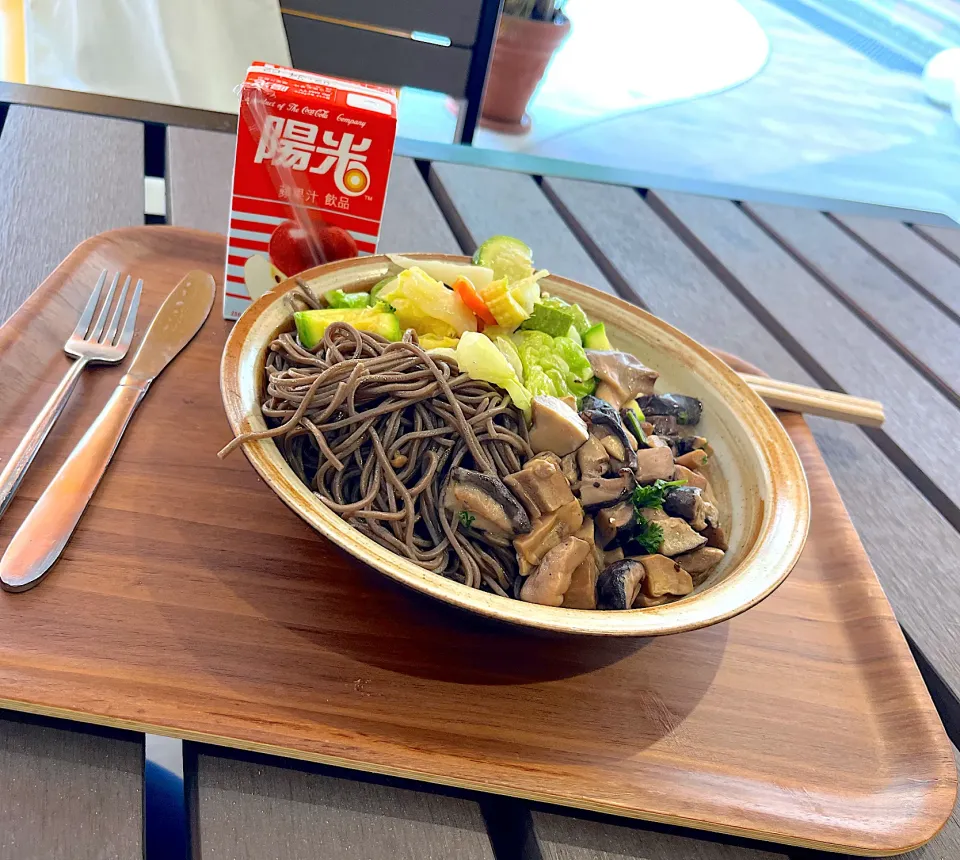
{"points": [[685, 409], [568, 466], [693, 459], [693, 479], [604, 423], [582, 593], [592, 458], [597, 493], [613, 523], [619, 584], [556, 427], [699, 561], [621, 375], [678, 537], [716, 537], [495, 510], [550, 581], [655, 441], [612, 555], [686, 444], [644, 602], [664, 425], [548, 530], [654, 464], [541, 487], [687, 502], [549, 456], [664, 576]]}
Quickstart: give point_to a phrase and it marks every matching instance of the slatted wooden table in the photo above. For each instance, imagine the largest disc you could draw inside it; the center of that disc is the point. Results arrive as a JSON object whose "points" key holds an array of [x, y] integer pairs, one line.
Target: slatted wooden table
{"points": [[853, 299]]}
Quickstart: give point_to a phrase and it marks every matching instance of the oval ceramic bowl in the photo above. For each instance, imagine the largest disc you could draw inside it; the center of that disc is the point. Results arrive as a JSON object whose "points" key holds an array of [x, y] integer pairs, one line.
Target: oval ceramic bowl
{"points": [[755, 469]]}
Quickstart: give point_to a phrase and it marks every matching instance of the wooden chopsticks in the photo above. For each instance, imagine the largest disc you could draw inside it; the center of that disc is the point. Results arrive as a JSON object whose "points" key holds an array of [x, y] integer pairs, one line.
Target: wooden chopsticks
{"points": [[816, 401]]}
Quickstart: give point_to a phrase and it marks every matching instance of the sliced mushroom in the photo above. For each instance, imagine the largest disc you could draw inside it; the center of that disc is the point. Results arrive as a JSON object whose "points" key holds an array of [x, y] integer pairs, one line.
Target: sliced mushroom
{"points": [[644, 602], [612, 555], [655, 441], [623, 374], [693, 479], [593, 459], [686, 410], [550, 581], [664, 576], [582, 593], [664, 425], [654, 464], [568, 466], [605, 424], [556, 427], [619, 584], [541, 487], [678, 537], [613, 523], [698, 562], [598, 493], [686, 444], [716, 536], [548, 530], [694, 459], [495, 510], [610, 394], [549, 456], [688, 504]]}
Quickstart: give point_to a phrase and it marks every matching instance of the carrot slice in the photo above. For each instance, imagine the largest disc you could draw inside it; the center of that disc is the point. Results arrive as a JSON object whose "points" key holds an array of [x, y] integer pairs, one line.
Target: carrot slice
{"points": [[471, 298]]}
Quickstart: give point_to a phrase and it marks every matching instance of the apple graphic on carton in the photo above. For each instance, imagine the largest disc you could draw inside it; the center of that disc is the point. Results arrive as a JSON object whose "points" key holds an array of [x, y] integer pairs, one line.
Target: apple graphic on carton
{"points": [[294, 247]]}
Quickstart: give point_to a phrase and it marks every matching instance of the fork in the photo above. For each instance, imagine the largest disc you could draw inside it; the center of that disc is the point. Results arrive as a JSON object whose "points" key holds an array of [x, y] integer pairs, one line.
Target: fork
{"points": [[100, 343]]}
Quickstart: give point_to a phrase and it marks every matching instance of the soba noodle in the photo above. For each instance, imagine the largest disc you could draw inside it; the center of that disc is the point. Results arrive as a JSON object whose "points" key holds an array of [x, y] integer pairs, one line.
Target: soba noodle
{"points": [[375, 428]]}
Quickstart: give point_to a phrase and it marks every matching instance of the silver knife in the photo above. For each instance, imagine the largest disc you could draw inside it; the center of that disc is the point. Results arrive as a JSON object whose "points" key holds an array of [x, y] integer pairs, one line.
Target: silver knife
{"points": [[42, 536]]}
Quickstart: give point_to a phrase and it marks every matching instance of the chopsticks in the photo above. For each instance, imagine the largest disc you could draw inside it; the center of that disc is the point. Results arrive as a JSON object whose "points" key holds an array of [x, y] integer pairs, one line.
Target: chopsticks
{"points": [[816, 401]]}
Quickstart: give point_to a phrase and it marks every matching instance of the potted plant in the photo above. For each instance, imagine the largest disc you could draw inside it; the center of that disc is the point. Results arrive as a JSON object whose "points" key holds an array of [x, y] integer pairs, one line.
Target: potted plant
{"points": [[530, 32]]}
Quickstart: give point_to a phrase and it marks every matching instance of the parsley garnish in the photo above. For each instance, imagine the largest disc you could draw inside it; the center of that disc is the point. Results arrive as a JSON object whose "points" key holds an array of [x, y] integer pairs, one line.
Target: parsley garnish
{"points": [[649, 535], [466, 519], [651, 495]]}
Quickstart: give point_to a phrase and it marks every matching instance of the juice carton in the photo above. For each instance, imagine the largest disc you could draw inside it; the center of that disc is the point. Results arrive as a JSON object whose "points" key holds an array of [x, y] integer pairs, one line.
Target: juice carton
{"points": [[309, 177]]}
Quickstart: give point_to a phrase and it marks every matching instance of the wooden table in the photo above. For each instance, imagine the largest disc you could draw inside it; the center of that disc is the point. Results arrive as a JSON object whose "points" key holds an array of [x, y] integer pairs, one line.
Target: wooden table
{"points": [[850, 297]]}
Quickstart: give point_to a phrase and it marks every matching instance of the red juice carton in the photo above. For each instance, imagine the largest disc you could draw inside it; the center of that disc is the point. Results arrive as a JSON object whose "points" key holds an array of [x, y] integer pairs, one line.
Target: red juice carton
{"points": [[309, 177]]}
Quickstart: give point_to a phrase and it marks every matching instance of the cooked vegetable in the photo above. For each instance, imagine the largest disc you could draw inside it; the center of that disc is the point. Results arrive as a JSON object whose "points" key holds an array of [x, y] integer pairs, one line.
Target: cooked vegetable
{"points": [[622, 376], [550, 581], [550, 319], [508, 258], [425, 304], [471, 298], [619, 584], [312, 324], [480, 359], [380, 286], [685, 409], [558, 319], [340, 299], [526, 293], [633, 423], [556, 427], [502, 304], [446, 272], [595, 337], [495, 510], [648, 534], [437, 341], [555, 366], [652, 495]]}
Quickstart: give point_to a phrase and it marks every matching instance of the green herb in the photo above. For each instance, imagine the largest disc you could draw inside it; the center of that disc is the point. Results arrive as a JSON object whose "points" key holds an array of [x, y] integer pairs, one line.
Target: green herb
{"points": [[651, 495], [466, 519], [649, 535]]}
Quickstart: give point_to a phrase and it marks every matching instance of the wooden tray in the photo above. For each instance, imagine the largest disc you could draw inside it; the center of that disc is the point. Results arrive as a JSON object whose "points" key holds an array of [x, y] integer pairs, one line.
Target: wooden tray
{"points": [[192, 602]]}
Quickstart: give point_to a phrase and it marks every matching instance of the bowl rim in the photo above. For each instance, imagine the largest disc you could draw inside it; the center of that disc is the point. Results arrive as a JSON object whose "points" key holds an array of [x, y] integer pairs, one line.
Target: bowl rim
{"points": [[776, 548]]}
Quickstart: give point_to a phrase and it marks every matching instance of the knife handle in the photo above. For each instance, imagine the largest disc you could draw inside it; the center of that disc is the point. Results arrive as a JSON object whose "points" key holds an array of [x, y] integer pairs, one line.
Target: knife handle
{"points": [[42, 536]]}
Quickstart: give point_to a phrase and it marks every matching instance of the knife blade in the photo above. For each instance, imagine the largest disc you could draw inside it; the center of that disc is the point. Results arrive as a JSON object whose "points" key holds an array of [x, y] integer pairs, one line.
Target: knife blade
{"points": [[42, 536]]}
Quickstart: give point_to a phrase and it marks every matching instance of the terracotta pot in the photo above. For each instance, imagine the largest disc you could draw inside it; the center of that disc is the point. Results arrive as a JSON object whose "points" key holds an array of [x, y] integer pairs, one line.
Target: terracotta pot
{"points": [[520, 57]]}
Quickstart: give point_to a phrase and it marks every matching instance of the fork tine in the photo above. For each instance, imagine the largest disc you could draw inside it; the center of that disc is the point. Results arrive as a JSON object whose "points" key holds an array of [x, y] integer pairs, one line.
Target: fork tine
{"points": [[126, 335], [84, 323], [102, 316], [115, 320]]}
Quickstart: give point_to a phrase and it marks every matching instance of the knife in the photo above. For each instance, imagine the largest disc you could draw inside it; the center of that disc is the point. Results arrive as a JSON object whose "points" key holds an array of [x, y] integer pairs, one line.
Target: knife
{"points": [[42, 536]]}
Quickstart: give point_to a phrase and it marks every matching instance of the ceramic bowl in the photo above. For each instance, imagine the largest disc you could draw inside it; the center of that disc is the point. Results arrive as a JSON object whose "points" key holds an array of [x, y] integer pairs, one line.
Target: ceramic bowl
{"points": [[755, 469]]}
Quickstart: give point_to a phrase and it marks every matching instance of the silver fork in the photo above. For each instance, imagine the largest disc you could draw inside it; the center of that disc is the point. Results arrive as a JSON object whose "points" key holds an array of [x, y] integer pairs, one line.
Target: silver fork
{"points": [[91, 342]]}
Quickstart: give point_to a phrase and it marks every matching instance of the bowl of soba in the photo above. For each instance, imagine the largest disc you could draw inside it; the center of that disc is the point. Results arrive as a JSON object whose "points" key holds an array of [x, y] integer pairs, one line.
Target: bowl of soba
{"points": [[515, 443]]}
